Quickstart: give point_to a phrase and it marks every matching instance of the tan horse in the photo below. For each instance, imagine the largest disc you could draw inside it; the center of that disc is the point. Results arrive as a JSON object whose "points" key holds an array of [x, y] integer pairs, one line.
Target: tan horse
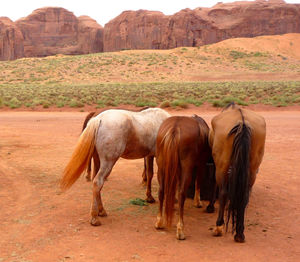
{"points": [[181, 149], [237, 139], [112, 134]]}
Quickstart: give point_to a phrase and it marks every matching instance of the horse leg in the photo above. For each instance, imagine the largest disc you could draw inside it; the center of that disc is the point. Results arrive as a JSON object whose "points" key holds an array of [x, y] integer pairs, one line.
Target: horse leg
{"points": [[213, 184], [197, 200], [218, 231], [181, 199], [144, 174], [88, 171], [96, 161], [183, 183], [97, 206], [161, 194], [212, 199], [149, 171]]}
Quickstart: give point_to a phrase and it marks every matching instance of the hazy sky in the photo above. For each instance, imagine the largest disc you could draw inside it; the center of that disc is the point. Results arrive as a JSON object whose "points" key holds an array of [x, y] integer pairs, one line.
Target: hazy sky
{"points": [[102, 11]]}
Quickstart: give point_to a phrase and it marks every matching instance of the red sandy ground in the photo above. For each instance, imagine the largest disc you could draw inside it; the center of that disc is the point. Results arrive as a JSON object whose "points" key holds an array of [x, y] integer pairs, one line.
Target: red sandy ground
{"points": [[38, 223]]}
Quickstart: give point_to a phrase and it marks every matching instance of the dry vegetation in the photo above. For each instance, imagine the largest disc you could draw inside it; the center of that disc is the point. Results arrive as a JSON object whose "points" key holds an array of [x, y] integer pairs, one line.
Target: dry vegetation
{"points": [[257, 70]]}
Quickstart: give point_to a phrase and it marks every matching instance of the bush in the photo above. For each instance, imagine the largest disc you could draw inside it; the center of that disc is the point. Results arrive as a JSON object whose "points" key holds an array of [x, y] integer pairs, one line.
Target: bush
{"points": [[75, 103], [218, 103], [180, 103], [165, 104], [14, 103]]}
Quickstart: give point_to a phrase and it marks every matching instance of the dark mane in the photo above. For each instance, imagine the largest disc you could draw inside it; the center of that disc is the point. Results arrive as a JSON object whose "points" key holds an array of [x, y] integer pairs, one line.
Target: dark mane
{"points": [[231, 104]]}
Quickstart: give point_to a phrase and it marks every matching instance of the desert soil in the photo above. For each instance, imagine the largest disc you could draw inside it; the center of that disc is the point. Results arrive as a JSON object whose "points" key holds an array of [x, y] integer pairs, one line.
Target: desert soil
{"points": [[39, 223]]}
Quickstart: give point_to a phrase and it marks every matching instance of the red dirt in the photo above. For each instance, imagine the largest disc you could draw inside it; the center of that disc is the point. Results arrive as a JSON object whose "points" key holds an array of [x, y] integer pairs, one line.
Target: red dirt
{"points": [[38, 223]]}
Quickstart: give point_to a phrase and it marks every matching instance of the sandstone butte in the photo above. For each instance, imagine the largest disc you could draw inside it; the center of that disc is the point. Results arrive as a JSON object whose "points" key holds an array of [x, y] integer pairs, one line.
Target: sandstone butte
{"points": [[53, 30], [49, 31]]}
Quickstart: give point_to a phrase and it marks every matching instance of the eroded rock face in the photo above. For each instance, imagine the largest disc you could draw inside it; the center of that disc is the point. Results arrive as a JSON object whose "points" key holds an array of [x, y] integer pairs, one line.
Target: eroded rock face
{"points": [[11, 40], [52, 30], [143, 29], [136, 30]]}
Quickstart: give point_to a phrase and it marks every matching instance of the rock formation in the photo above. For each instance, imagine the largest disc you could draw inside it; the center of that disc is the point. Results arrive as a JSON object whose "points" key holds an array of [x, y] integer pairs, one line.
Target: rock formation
{"points": [[52, 30], [143, 29], [11, 40]]}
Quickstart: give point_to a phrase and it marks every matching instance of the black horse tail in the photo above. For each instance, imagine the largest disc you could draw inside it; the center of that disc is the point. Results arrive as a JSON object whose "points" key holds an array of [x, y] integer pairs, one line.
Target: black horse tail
{"points": [[238, 181]]}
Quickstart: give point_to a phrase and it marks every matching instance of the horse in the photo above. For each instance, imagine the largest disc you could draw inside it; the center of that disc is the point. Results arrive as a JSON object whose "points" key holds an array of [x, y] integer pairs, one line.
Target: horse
{"points": [[182, 149], [88, 175], [237, 139], [110, 135]]}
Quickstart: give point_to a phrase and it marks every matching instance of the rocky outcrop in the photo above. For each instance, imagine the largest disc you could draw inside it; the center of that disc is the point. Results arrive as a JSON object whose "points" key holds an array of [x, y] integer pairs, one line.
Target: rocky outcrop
{"points": [[136, 30], [143, 29], [90, 35], [52, 30], [11, 40]]}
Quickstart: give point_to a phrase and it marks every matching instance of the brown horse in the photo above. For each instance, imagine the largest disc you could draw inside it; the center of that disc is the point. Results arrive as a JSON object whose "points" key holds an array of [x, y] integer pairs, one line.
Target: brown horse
{"points": [[181, 149], [95, 157], [237, 139]]}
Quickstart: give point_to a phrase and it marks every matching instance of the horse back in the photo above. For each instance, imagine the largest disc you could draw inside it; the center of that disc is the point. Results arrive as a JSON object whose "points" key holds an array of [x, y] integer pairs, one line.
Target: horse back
{"points": [[221, 142], [193, 139]]}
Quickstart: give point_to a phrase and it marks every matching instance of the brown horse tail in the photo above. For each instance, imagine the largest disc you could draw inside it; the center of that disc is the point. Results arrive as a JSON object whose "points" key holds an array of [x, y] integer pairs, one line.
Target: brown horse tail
{"points": [[238, 182], [87, 119], [81, 155], [171, 168]]}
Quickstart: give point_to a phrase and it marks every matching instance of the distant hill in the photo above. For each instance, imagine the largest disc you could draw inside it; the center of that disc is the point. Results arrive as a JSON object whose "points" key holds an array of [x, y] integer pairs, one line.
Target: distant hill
{"points": [[53, 30], [259, 58]]}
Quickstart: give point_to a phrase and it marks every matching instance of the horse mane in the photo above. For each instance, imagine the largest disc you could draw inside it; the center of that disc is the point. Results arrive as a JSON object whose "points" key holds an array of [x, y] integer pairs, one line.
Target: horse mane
{"points": [[238, 173], [231, 104]]}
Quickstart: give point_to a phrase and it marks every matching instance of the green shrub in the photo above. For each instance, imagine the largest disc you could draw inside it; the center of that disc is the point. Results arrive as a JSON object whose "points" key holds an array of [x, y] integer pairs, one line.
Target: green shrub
{"points": [[165, 104], [14, 103], [237, 54], [60, 104], [218, 103], [75, 103], [180, 103]]}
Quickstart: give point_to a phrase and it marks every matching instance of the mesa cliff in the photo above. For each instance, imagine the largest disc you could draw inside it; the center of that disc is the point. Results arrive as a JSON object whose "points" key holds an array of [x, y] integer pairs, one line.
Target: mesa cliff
{"points": [[53, 30]]}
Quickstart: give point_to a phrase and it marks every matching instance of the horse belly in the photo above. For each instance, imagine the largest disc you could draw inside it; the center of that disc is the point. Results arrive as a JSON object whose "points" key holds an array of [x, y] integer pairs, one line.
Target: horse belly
{"points": [[134, 151]]}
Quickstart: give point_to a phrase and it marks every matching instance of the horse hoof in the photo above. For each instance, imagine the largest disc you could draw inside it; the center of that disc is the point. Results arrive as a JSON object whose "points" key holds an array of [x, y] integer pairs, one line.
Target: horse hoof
{"points": [[180, 236], [102, 213], [150, 199], [158, 225], [218, 231], [240, 238], [198, 205], [210, 209], [95, 221]]}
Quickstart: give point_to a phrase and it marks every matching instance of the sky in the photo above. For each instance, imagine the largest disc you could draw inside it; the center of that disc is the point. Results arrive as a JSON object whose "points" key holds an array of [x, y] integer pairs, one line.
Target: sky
{"points": [[103, 11]]}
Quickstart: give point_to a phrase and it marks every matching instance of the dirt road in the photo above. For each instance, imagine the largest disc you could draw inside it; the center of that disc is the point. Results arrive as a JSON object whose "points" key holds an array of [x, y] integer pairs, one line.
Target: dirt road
{"points": [[38, 223]]}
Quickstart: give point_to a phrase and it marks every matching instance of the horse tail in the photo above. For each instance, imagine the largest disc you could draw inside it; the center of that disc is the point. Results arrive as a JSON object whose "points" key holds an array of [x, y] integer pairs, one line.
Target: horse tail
{"points": [[238, 180], [87, 119], [81, 155], [171, 167]]}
